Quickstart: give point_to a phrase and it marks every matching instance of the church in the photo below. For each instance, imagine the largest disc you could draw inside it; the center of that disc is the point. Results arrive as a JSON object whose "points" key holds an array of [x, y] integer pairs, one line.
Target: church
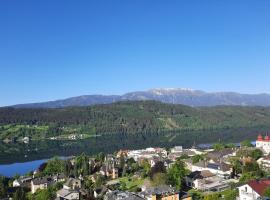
{"points": [[263, 143]]}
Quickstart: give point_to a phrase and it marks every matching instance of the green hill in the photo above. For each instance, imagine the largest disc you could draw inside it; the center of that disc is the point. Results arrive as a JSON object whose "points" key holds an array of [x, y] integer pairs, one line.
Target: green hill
{"points": [[128, 118]]}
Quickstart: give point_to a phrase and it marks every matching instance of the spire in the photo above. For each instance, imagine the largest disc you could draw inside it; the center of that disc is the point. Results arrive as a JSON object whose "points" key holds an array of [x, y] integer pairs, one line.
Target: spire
{"points": [[267, 138], [260, 138]]}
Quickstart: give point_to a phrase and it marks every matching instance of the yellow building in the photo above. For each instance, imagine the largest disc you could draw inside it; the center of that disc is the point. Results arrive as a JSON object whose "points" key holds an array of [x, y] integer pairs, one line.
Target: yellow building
{"points": [[166, 197]]}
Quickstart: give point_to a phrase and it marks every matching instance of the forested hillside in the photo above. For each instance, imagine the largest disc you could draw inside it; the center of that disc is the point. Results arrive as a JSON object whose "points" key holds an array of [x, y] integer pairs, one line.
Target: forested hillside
{"points": [[128, 117]]}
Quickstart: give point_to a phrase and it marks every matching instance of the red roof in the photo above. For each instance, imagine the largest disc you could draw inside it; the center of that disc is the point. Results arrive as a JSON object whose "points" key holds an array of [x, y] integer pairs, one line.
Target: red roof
{"points": [[260, 137], [259, 186], [267, 138]]}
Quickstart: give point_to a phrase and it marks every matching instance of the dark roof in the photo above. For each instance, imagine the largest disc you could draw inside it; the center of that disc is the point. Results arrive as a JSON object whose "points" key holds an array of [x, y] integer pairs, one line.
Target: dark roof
{"points": [[42, 180], [115, 195], [201, 163], [219, 154], [219, 166], [259, 185], [161, 190], [200, 174]]}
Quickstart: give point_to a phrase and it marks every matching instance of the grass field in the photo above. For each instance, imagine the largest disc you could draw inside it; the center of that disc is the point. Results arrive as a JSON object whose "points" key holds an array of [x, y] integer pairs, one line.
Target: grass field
{"points": [[131, 183]]}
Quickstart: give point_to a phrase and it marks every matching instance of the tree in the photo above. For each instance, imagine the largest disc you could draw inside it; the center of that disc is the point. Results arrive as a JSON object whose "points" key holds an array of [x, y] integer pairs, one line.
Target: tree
{"points": [[45, 194], [256, 154], [68, 168], [130, 161], [237, 166], [230, 145], [176, 174], [99, 181], [19, 194], [197, 158], [196, 195], [88, 184], [159, 179], [54, 166], [214, 196], [146, 167], [246, 143], [230, 194], [251, 167], [184, 156], [266, 192], [247, 177], [158, 168], [100, 157], [82, 165], [218, 146], [3, 187]]}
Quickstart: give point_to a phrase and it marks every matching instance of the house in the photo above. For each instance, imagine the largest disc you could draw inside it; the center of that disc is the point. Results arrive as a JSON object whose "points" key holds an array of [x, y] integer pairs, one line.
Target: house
{"points": [[70, 190], [264, 163], [263, 143], [72, 184], [59, 177], [154, 160], [122, 153], [109, 169], [253, 190], [177, 149], [111, 172], [221, 169], [177, 152], [219, 156], [100, 192], [212, 184], [22, 182], [162, 192], [26, 140], [67, 194], [41, 183], [199, 166], [205, 181], [148, 153], [193, 177], [168, 163], [123, 195]]}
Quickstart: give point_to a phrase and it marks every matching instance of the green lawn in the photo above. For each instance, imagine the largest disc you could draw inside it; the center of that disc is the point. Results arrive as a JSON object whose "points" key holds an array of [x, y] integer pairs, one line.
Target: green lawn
{"points": [[132, 183]]}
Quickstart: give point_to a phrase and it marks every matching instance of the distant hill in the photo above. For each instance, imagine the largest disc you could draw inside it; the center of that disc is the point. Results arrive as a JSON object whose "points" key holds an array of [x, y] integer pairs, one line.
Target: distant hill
{"points": [[136, 117], [124, 125], [188, 97]]}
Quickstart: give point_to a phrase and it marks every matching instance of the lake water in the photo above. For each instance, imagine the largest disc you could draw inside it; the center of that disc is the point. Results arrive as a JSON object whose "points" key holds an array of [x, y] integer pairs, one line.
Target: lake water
{"points": [[20, 168], [22, 158]]}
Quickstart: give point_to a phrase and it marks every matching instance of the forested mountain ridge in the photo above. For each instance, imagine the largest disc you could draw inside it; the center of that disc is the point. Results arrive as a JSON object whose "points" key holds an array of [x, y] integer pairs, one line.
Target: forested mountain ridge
{"points": [[135, 117], [166, 95]]}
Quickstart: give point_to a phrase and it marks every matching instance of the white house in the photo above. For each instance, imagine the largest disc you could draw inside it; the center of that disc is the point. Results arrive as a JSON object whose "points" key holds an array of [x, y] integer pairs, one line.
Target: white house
{"points": [[177, 149], [205, 181], [22, 181], [264, 163], [253, 189], [221, 169], [40, 183]]}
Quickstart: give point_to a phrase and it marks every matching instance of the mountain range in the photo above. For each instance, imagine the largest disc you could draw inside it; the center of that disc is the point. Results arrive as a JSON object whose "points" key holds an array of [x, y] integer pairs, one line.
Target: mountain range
{"points": [[189, 97]]}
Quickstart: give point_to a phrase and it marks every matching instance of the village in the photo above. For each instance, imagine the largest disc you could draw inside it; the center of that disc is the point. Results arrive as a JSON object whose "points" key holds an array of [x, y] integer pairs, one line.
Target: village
{"points": [[222, 171]]}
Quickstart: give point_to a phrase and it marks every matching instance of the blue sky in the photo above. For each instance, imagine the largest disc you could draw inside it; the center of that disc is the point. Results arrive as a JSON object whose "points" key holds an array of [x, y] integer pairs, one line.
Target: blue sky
{"points": [[55, 49]]}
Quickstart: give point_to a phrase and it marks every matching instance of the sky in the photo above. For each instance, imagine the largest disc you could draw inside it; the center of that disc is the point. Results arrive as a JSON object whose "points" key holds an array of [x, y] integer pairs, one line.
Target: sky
{"points": [[56, 49]]}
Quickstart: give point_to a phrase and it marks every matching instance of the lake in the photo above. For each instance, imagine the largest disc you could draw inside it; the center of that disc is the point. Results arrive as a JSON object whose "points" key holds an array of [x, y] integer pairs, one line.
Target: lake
{"points": [[10, 170], [22, 158]]}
